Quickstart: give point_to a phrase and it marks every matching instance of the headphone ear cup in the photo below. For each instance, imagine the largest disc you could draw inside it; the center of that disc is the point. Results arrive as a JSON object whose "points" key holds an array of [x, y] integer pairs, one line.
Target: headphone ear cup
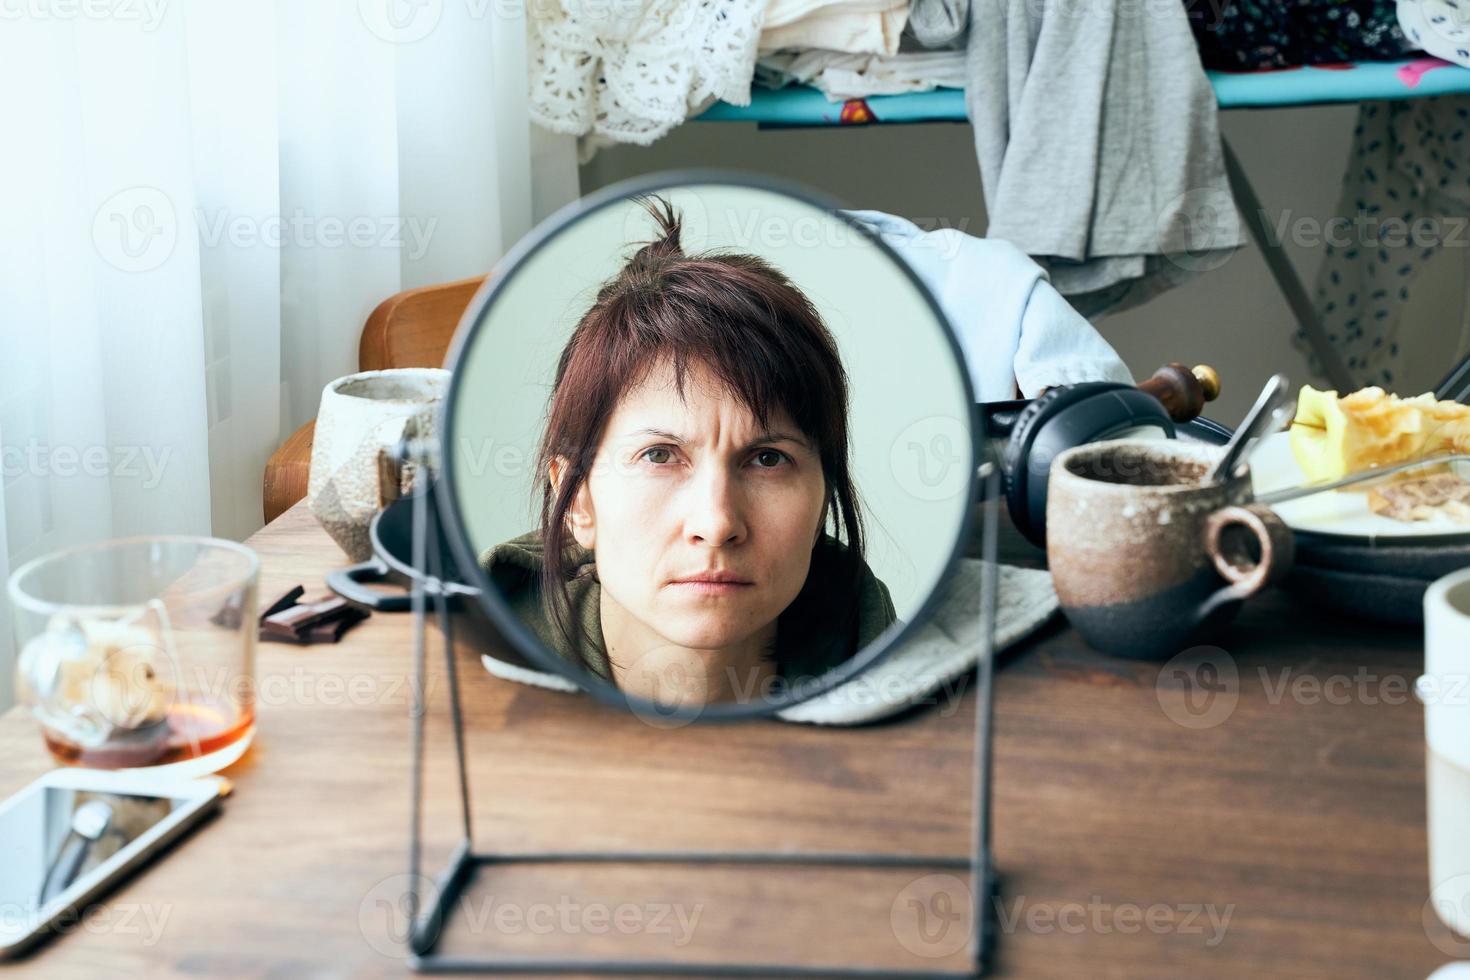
{"points": [[1015, 457], [1021, 497], [1022, 429]]}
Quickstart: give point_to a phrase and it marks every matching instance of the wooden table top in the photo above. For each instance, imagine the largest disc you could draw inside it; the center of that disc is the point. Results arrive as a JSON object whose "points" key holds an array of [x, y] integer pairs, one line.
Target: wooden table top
{"points": [[1276, 830]]}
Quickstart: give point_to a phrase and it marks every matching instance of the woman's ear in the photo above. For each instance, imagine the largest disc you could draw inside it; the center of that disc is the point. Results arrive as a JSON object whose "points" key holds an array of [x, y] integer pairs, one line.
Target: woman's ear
{"points": [[580, 518]]}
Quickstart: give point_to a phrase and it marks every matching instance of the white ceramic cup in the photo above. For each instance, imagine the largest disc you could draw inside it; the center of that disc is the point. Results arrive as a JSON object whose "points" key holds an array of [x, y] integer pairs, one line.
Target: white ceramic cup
{"points": [[1445, 691], [359, 415]]}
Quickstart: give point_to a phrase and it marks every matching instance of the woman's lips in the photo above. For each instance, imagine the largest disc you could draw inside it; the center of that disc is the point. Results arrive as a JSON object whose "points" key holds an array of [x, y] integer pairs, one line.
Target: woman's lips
{"points": [[712, 585]]}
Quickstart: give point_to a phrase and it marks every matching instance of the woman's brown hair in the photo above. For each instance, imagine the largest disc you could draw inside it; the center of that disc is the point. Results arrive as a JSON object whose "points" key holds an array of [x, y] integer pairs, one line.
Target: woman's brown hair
{"points": [[740, 318]]}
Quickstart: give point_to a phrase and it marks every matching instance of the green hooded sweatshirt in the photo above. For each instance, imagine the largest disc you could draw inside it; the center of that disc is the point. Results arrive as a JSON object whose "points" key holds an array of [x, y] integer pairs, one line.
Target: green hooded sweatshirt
{"points": [[810, 639]]}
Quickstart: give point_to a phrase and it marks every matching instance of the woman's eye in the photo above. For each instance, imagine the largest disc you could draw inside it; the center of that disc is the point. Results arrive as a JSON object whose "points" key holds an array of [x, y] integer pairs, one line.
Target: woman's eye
{"points": [[769, 458], [658, 454]]}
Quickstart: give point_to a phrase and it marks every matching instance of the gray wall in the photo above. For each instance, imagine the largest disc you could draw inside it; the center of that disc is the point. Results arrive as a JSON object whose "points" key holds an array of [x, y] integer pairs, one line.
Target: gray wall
{"points": [[1232, 317]]}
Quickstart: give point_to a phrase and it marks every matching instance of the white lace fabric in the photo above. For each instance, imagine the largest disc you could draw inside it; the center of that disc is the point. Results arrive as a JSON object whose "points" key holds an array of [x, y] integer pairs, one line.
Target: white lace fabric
{"points": [[628, 71]]}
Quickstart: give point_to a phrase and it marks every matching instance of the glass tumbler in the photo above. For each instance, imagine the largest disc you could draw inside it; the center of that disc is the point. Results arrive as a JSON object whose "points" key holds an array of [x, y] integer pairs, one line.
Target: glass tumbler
{"points": [[140, 652]]}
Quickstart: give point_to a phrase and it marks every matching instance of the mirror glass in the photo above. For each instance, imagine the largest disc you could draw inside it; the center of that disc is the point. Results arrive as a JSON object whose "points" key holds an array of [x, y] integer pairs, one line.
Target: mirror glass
{"points": [[740, 421]]}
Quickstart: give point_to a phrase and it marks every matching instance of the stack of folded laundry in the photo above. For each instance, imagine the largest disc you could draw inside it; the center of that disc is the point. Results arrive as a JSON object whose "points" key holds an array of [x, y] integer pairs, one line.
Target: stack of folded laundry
{"points": [[843, 75], [853, 26], [850, 49], [632, 77]]}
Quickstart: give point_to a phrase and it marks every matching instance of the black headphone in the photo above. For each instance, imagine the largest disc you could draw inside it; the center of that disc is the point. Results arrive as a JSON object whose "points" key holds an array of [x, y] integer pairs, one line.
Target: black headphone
{"points": [[1037, 431]]}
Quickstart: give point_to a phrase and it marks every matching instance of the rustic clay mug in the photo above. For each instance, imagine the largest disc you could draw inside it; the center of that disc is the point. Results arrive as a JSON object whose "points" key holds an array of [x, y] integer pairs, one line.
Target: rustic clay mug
{"points": [[1149, 559]]}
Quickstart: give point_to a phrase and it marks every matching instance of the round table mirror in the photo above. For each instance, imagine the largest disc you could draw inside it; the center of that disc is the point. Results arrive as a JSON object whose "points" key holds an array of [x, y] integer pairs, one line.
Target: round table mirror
{"points": [[740, 423]]}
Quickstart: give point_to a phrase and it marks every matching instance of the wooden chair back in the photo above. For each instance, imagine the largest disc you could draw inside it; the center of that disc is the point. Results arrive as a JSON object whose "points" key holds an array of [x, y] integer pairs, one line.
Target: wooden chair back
{"points": [[409, 329], [413, 328]]}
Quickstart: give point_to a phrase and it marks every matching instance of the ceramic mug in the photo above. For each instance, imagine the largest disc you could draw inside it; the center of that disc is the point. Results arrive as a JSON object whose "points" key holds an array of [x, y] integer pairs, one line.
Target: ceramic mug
{"points": [[1445, 691], [359, 415], [1149, 559]]}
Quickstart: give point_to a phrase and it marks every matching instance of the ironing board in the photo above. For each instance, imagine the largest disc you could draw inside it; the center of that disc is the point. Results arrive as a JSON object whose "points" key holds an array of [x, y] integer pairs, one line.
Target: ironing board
{"points": [[1412, 78]]}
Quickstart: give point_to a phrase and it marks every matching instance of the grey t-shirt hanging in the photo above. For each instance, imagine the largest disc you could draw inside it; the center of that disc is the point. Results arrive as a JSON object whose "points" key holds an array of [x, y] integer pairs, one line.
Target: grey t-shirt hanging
{"points": [[1097, 139]]}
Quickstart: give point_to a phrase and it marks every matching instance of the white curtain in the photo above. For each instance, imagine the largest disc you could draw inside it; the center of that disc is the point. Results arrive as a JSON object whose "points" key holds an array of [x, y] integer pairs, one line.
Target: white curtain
{"points": [[202, 201]]}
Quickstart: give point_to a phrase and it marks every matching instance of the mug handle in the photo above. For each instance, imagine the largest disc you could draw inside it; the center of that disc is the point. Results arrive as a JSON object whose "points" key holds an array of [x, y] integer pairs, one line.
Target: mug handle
{"points": [[1246, 576]]}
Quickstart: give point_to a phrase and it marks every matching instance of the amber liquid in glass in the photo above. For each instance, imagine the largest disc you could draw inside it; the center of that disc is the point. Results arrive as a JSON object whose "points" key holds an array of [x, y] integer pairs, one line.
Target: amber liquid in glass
{"points": [[192, 728]]}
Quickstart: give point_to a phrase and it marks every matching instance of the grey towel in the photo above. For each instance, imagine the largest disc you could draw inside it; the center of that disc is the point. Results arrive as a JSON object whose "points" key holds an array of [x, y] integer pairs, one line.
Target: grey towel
{"points": [[929, 669], [1096, 133]]}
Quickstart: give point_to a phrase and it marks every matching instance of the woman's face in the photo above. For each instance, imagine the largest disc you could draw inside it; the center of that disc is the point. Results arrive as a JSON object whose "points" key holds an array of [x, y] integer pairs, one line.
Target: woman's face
{"points": [[702, 524]]}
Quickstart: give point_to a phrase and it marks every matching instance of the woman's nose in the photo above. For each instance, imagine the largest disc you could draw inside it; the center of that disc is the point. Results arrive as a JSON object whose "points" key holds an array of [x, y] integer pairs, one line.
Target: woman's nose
{"points": [[714, 514]]}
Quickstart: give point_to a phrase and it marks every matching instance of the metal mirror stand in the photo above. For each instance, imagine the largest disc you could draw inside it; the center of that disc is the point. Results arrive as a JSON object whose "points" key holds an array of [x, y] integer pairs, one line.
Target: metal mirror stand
{"points": [[427, 924]]}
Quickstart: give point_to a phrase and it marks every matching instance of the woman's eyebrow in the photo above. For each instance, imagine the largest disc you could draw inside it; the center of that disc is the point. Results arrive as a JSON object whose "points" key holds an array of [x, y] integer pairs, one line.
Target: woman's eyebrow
{"points": [[765, 437], [659, 434]]}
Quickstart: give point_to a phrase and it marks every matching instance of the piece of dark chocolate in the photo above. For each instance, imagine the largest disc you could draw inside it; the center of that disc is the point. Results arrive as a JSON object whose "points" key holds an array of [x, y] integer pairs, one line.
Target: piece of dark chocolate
{"points": [[284, 602], [301, 617], [330, 631], [323, 619]]}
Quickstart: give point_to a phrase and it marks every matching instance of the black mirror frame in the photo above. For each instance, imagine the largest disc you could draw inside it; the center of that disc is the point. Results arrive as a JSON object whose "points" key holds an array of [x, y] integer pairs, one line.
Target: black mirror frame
{"points": [[456, 529]]}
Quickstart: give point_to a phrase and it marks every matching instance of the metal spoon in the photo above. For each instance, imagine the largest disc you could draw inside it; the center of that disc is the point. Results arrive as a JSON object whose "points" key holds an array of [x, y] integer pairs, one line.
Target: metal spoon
{"points": [[1456, 462], [1258, 421]]}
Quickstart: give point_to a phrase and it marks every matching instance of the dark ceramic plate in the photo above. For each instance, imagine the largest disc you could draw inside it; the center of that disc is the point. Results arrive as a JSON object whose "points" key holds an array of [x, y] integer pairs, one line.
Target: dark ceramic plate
{"points": [[1421, 561], [1381, 598]]}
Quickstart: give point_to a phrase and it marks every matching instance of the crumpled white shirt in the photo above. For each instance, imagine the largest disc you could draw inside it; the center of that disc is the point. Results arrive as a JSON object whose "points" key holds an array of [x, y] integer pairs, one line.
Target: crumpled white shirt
{"points": [[1013, 326]]}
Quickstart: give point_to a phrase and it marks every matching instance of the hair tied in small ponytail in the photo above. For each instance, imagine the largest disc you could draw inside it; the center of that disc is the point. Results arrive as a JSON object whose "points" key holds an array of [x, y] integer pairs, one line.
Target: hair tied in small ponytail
{"points": [[666, 245]]}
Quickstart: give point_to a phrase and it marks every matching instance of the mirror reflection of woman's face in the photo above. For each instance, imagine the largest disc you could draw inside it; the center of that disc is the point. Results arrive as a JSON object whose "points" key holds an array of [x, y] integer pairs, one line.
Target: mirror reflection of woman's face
{"points": [[702, 524]]}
